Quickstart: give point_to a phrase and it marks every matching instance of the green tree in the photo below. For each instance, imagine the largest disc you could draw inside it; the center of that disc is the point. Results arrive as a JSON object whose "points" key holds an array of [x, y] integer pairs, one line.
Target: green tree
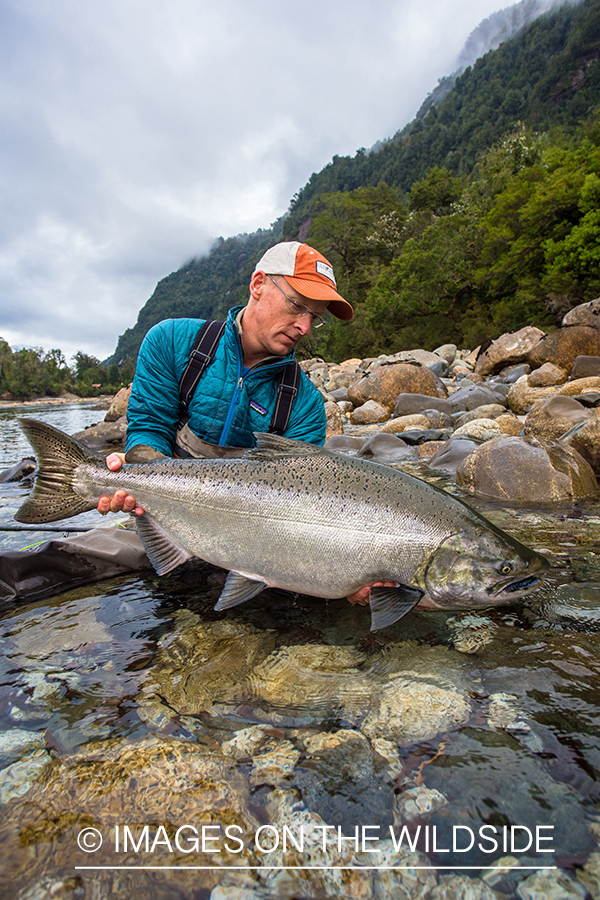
{"points": [[57, 376], [26, 379], [90, 373], [436, 192]]}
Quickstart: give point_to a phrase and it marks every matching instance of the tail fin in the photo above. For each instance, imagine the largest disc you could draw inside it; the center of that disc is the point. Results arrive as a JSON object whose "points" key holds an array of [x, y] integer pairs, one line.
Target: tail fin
{"points": [[58, 456]]}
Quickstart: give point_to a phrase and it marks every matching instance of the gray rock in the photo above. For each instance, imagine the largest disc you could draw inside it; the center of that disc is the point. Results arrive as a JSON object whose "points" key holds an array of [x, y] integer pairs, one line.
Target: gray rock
{"points": [[449, 458], [584, 366], [408, 404], [437, 418], [105, 437], [344, 443], [508, 349], [591, 400], [554, 417], [510, 374], [385, 448], [471, 397], [447, 353], [415, 437], [439, 368], [18, 472], [339, 394], [584, 314]]}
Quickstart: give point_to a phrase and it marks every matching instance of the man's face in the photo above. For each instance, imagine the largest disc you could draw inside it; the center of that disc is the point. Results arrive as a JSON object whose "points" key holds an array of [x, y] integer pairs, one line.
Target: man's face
{"points": [[279, 324]]}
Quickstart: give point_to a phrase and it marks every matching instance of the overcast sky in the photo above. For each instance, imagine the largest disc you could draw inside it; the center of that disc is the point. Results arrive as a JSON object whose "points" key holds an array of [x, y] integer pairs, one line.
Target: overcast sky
{"points": [[135, 132]]}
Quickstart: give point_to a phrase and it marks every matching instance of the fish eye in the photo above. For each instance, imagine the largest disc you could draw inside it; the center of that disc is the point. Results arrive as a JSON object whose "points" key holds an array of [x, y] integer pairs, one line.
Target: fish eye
{"points": [[506, 568]]}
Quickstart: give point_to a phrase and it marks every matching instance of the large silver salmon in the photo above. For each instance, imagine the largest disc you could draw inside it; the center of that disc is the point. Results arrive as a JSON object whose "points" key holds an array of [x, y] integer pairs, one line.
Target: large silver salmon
{"points": [[294, 516]]}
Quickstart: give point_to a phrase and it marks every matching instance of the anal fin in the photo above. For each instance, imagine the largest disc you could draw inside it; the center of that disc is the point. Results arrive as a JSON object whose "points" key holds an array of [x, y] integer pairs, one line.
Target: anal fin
{"points": [[237, 589], [388, 604], [161, 550]]}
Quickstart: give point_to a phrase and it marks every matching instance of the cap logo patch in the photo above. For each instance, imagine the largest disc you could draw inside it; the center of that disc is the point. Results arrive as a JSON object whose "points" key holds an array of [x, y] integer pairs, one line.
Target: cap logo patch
{"points": [[324, 269]]}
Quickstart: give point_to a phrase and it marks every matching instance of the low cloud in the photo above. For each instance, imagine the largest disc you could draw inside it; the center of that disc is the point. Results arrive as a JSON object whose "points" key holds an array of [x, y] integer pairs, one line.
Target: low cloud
{"points": [[136, 133]]}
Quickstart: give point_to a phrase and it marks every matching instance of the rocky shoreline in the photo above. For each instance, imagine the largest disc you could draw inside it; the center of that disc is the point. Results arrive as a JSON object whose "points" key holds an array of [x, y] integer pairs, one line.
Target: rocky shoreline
{"points": [[516, 422]]}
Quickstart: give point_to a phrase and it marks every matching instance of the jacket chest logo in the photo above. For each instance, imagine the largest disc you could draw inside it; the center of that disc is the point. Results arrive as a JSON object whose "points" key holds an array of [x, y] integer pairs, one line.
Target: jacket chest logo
{"points": [[258, 408]]}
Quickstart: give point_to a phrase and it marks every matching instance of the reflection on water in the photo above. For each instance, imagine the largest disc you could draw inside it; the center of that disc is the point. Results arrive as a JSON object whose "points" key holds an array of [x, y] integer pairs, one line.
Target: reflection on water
{"points": [[186, 737]]}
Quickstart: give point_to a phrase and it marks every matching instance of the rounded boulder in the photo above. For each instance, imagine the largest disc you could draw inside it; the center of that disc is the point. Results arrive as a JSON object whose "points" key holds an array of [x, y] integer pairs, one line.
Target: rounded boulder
{"points": [[369, 413], [586, 440], [385, 383], [524, 471], [563, 346], [508, 349], [552, 418]]}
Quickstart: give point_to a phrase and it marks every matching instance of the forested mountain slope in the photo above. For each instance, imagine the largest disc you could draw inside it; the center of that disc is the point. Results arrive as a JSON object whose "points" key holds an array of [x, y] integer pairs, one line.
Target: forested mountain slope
{"points": [[372, 211]]}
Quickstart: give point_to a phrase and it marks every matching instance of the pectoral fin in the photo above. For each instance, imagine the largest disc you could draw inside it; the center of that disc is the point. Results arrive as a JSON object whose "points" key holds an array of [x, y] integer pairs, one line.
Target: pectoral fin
{"points": [[388, 604], [161, 550], [237, 589]]}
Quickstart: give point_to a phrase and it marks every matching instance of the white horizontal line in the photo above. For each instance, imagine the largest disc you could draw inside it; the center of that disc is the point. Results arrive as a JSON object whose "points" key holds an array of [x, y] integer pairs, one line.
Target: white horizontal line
{"points": [[326, 868]]}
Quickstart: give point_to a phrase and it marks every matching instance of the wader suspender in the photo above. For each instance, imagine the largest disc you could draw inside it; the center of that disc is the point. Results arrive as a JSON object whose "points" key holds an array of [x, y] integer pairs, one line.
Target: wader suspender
{"points": [[202, 352]]}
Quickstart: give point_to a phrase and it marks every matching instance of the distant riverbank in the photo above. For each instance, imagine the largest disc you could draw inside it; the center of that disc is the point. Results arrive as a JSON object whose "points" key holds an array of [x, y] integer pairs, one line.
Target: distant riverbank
{"points": [[103, 401]]}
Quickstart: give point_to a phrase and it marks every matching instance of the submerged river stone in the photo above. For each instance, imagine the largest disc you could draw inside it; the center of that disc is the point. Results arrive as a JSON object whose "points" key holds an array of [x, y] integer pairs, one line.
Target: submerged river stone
{"points": [[158, 783], [524, 471], [413, 707], [313, 678], [206, 662]]}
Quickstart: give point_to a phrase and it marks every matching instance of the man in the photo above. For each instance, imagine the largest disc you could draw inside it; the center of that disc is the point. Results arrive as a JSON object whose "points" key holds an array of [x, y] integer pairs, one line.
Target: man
{"points": [[291, 288]]}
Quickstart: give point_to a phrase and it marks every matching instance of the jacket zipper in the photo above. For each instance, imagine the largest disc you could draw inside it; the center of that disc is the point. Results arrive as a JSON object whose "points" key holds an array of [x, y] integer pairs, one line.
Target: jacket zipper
{"points": [[236, 397]]}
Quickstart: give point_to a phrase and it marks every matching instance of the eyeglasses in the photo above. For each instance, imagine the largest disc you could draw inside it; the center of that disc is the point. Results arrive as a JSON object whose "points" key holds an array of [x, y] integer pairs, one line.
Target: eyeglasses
{"points": [[299, 310]]}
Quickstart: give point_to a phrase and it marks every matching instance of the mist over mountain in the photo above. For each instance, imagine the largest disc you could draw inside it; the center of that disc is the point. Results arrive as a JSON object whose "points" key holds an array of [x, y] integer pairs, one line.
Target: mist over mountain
{"points": [[489, 34], [501, 26]]}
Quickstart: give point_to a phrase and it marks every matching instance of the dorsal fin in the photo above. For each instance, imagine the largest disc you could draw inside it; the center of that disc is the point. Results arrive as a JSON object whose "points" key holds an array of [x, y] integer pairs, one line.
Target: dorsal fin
{"points": [[273, 446]]}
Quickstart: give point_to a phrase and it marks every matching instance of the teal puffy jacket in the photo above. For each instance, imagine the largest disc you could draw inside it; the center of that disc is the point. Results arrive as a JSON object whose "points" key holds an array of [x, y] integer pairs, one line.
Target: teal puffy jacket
{"points": [[226, 407]]}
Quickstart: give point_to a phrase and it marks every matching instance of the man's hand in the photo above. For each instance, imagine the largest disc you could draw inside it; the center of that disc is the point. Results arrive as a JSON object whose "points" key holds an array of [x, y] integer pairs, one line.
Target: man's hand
{"points": [[363, 595], [121, 501]]}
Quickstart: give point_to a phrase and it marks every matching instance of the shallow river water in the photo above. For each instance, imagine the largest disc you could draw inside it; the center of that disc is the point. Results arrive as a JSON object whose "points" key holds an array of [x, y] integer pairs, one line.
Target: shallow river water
{"points": [[150, 744]]}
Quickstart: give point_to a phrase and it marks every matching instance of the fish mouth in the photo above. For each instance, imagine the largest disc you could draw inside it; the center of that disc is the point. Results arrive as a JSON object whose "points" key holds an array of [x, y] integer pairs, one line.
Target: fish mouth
{"points": [[514, 587]]}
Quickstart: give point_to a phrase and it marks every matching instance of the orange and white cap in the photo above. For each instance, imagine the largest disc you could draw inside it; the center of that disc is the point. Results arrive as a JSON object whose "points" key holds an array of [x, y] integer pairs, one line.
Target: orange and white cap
{"points": [[308, 272]]}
